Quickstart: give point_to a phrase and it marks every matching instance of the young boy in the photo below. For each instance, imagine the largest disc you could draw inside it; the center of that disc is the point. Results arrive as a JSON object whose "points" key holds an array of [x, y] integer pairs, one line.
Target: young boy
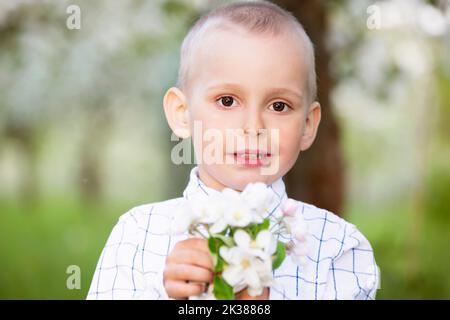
{"points": [[246, 70]]}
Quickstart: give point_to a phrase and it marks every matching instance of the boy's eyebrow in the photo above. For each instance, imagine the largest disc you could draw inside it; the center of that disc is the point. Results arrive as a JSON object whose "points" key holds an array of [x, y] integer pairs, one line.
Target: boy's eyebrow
{"points": [[286, 91], [237, 87]]}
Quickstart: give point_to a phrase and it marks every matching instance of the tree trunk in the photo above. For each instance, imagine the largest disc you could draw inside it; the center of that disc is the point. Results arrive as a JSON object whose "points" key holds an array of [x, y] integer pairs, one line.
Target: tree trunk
{"points": [[317, 177], [25, 138], [98, 127]]}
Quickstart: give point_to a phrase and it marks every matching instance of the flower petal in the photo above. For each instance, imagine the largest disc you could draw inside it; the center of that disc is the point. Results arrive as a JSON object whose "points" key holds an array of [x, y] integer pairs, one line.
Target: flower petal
{"points": [[289, 208], [263, 239], [255, 291], [300, 250], [300, 231], [218, 226], [251, 278], [242, 239], [233, 275]]}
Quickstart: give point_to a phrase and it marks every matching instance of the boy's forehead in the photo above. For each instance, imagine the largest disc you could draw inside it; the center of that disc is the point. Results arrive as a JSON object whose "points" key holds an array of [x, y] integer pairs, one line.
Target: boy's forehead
{"points": [[227, 36], [233, 51]]}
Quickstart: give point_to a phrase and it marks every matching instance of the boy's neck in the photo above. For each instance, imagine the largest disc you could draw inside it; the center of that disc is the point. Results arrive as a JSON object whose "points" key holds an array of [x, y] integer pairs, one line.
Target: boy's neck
{"points": [[209, 181]]}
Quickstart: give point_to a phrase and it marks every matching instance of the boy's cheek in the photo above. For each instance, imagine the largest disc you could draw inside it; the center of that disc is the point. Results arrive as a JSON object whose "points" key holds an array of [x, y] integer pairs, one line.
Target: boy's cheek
{"points": [[289, 149], [286, 139]]}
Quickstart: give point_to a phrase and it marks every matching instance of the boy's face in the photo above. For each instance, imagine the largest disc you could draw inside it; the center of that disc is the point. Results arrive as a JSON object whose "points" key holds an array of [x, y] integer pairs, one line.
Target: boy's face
{"points": [[250, 89]]}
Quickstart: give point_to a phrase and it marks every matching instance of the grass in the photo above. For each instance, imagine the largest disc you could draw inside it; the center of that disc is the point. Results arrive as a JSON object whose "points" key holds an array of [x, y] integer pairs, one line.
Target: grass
{"points": [[39, 242], [411, 267]]}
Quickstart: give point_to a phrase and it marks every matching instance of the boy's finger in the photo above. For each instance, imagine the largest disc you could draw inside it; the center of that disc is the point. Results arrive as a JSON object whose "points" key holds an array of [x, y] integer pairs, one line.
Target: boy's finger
{"points": [[192, 257], [244, 295], [188, 272], [181, 290], [194, 243]]}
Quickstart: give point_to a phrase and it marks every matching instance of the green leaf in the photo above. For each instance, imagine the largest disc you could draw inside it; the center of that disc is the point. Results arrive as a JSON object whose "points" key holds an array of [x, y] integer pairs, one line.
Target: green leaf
{"points": [[219, 263], [214, 244], [265, 224], [226, 240], [215, 257], [279, 256], [222, 290], [253, 230]]}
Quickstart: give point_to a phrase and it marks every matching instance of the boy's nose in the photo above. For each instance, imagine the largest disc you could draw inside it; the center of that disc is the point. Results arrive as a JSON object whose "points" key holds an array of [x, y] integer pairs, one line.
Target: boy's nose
{"points": [[254, 123]]}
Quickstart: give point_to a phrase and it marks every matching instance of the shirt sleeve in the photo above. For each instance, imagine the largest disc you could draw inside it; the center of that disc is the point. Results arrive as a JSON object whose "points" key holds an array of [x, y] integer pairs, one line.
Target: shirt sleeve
{"points": [[353, 273], [119, 273]]}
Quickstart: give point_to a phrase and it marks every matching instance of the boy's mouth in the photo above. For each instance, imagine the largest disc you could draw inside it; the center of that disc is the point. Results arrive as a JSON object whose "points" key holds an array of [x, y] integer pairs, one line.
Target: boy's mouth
{"points": [[251, 158]]}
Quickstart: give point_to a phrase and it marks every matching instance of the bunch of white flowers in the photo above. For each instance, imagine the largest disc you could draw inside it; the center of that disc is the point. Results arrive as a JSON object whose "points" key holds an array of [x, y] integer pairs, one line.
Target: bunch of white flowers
{"points": [[245, 251]]}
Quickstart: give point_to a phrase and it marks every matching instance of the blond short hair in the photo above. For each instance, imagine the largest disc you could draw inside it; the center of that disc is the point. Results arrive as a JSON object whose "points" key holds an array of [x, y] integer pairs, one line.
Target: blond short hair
{"points": [[254, 16]]}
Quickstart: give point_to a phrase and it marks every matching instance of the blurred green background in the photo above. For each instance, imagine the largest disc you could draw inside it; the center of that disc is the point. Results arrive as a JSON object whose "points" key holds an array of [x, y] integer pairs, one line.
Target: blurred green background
{"points": [[83, 136]]}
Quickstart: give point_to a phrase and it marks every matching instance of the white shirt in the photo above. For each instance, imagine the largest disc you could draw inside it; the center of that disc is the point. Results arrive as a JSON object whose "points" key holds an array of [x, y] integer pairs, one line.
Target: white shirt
{"points": [[340, 263]]}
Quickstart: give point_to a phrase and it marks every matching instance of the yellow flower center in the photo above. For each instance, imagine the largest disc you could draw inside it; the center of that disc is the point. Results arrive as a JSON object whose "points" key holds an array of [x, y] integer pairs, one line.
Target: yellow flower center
{"points": [[245, 263]]}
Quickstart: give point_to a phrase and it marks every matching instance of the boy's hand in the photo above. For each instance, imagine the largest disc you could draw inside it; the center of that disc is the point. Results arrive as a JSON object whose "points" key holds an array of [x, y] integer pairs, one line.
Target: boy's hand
{"points": [[189, 268], [243, 295]]}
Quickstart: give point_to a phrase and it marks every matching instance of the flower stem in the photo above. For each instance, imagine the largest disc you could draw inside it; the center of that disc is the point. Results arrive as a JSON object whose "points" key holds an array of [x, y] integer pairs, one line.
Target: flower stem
{"points": [[196, 229]]}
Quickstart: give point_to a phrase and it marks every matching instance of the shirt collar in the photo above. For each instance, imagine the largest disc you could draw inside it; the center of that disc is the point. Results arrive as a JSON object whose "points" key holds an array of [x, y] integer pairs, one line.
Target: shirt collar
{"points": [[196, 190]]}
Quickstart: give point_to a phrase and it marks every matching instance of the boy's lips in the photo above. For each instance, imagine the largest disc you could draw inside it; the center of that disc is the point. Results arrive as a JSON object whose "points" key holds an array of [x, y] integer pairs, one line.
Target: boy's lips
{"points": [[251, 158]]}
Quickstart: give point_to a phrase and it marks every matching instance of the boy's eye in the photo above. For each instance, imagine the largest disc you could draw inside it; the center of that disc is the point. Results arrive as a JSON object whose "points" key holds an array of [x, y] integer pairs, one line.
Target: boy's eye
{"points": [[279, 107], [226, 101]]}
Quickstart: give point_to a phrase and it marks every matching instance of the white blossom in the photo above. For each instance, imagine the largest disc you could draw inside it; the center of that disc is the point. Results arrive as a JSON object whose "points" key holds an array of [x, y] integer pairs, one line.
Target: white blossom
{"points": [[264, 246], [258, 198], [208, 211], [180, 220], [245, 270], [248, 260], [298, 229], [238, 215], [289, 208]]}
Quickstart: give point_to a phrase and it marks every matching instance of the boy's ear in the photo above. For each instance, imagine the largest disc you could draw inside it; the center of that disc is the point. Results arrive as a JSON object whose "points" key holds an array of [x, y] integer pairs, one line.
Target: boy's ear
{"points": [[312, 121], [177, 114]]}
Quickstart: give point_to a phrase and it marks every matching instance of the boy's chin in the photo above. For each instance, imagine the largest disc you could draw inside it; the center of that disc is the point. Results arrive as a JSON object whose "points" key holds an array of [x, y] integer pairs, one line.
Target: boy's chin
{"points": [[239, 178]]}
